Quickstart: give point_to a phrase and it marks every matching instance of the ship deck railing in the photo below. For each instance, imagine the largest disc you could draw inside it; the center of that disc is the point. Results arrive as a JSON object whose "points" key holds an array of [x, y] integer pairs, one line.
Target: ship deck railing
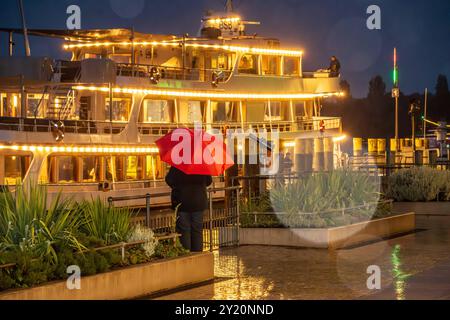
{"points": [[170, 73], [70, 126], [299, 125]]}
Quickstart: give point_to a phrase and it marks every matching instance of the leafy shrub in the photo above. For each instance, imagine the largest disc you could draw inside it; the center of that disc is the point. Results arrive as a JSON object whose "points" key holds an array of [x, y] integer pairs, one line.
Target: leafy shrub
{"points": [[29, 225], [322, 200], [419, 184], [104, 222], [326, 191]]}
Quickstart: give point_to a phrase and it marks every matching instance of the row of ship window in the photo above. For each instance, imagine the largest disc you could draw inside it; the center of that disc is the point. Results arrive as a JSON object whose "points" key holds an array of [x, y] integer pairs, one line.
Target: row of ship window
{"points": [[86, 169]]}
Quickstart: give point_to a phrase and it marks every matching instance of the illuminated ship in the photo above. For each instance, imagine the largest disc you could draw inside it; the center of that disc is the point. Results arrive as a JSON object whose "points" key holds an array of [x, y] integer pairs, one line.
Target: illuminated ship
{"points": [[87, 126]]}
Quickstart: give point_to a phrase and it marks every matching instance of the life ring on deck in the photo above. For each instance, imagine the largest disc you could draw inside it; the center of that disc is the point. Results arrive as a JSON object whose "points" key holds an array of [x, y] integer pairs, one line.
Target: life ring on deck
{"points": [[155, 75]]}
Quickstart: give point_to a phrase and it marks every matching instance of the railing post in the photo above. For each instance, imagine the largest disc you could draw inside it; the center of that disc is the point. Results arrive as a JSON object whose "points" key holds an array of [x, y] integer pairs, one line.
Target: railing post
{"points": [[110, 201], [147, 206], [238, 216], [211, 247]]}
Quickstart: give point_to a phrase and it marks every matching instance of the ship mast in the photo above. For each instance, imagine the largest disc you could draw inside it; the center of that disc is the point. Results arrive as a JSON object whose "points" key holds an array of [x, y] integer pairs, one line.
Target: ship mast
{"points": [[25, 30], [229, 6]]}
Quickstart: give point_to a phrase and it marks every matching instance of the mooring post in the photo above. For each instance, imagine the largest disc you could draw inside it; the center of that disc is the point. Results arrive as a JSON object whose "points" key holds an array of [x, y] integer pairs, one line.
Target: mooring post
{"points": [[147, 207]]}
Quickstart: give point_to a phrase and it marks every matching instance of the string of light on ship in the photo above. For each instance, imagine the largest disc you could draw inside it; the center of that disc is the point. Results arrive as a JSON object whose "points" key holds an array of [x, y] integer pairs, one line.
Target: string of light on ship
{"points": [[239, 49], [67, 149], [209, 94]]}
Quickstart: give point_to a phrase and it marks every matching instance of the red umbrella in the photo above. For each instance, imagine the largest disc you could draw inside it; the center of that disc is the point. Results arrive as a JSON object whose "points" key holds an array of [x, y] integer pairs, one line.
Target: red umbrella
{"points": [[195, 152]]}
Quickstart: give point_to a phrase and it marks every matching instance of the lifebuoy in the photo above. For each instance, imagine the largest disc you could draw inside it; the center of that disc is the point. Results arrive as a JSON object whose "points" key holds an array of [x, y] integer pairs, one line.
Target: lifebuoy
{"points": [[155, 75]]}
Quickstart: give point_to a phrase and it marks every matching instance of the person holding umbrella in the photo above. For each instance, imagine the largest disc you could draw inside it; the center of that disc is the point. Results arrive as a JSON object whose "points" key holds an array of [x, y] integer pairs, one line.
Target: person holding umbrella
{"points": [[195, 157], [189, 196]]}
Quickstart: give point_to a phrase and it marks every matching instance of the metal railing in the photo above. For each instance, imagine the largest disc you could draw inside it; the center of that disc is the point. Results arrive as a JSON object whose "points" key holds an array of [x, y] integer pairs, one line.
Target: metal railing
{"points": [[170, 73], [70, 126], [300, 125], [221, 224]]}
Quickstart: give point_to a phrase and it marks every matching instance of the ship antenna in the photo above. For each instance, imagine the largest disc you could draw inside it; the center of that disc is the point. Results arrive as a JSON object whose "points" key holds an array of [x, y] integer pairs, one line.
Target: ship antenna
{"points": [[25, 30], [229, 6]]}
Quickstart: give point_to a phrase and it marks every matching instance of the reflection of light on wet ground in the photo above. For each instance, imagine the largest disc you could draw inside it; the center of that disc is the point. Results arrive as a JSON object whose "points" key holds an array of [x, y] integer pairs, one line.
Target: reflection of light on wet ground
{"points": [[282, 273], [399, 276]]}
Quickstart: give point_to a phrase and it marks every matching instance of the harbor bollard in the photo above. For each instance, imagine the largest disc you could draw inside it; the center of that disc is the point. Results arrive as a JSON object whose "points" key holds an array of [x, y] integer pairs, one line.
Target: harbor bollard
{"points": [[300, 155], [309, 150], [318, 159], [328, 146], [357, 147]]}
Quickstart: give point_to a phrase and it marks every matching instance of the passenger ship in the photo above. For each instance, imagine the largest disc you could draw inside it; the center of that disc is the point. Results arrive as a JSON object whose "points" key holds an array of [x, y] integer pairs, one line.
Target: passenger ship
{"points": [[87, 127]]}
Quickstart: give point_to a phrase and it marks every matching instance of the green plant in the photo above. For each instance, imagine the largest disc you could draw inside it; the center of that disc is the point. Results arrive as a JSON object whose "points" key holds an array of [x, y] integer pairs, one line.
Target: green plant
{"points": [[31, 224], [322, 192], [419, 184], [109, 224]]}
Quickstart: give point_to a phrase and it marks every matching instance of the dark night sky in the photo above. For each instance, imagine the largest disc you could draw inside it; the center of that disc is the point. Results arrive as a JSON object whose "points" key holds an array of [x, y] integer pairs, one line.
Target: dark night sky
{"points": [[420, 29]]}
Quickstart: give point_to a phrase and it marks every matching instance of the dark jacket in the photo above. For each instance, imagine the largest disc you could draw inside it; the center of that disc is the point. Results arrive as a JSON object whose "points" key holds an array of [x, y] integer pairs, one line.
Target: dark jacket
{"points": [[188, 190], [335, 66]]}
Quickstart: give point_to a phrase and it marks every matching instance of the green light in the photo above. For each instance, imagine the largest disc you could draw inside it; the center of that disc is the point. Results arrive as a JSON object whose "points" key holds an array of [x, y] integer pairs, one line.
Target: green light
{"points": [[395, 77]]}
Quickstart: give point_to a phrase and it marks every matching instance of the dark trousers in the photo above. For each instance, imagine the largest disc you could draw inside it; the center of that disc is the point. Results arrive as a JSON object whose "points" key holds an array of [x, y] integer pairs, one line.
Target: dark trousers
{"points": [[190, 226]]}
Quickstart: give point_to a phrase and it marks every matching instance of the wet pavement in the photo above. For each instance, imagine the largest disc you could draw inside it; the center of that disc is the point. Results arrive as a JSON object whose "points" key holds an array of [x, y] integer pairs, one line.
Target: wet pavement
{"points": [[414, 266]]}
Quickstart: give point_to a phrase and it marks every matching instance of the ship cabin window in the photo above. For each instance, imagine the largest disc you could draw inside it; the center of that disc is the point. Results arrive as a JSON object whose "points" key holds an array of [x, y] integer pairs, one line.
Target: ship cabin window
{"points": [[120, 110], [36, 105], [192, 111], [271, 65], [121, 58], [300, 109], [135, 168], [157, 111], [91, 167], [10, 104], [67, 168], [154, 168], [15, 169], [224, 111], [275, 110], [248, 64], [291, 66]]}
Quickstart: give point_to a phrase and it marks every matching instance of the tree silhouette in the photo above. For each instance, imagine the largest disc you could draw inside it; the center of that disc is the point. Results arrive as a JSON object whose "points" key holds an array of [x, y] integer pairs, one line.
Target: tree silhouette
{"points": [[442, 86], [377, 88], [345, 87]]}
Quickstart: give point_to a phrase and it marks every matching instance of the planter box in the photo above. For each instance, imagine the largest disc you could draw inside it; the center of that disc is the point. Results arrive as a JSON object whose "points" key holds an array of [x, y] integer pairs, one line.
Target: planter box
{"points": [[333, 238], [423, 208], [127, 283]]}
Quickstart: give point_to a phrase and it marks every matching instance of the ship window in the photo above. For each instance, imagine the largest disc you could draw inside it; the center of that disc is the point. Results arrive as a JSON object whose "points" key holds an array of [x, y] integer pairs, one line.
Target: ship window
{"points": [[36, 105], [109, 173], [270, 65], [16, 167], [119, 163], [274, 112], [10, 104], [154, 168], [91, 169], [291, 66], [134, 168], [191, 111], [248, 64], [223, 111], [157, 111], [120, 110], [67, 169]]}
